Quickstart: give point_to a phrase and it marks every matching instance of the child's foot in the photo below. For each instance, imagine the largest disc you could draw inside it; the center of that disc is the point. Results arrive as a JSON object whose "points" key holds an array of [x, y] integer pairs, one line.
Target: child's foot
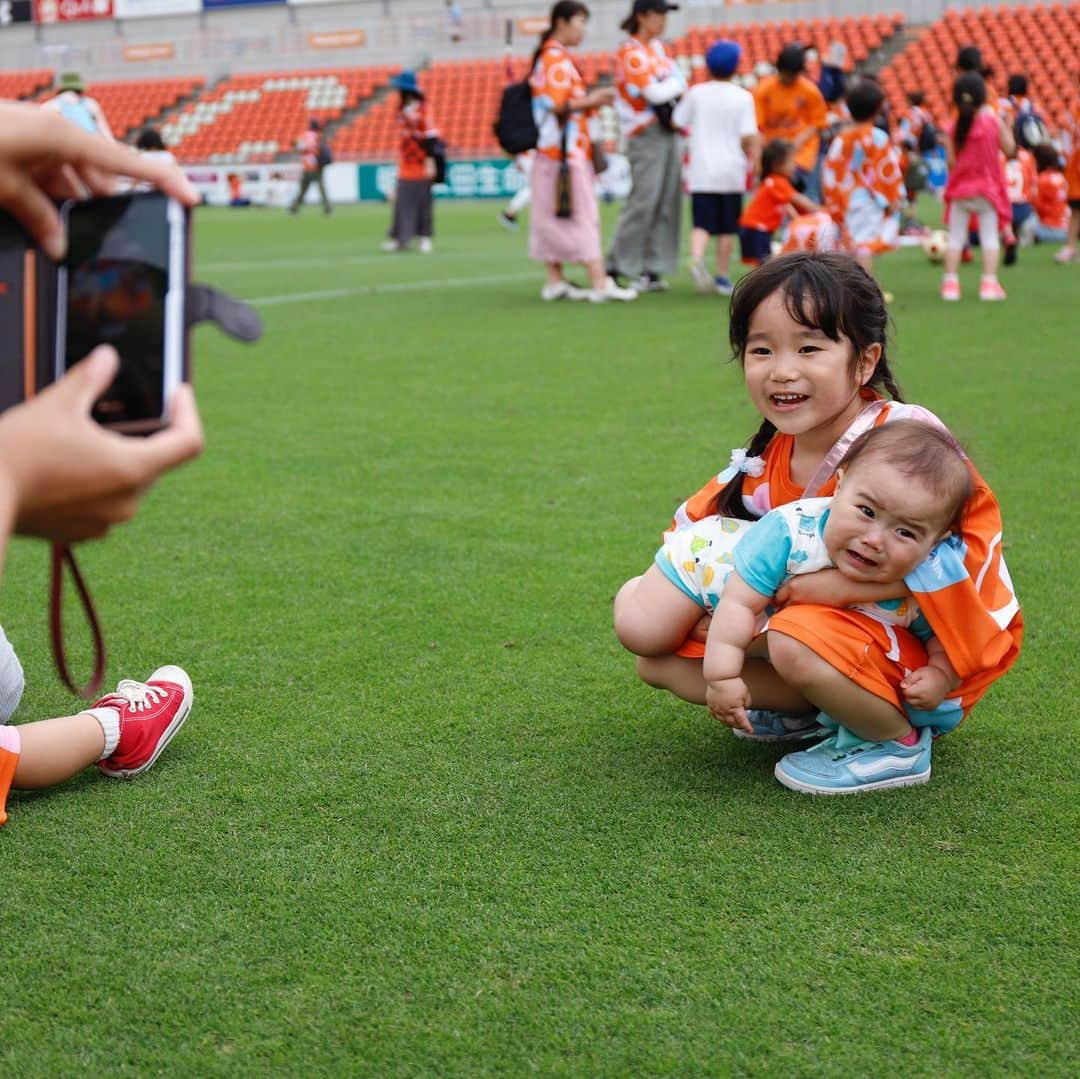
{"points": [[950, 288], [990, 289], [151, 713], [389, 246], [508, 221], [780, 727], [723, 285], [424, 245], [562, 290], [1066, 254], [703, 281], [612, 291], [650, 282], [844, 764]]}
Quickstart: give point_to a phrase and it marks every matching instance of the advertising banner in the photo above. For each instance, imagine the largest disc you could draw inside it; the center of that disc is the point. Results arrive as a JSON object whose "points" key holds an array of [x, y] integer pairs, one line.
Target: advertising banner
{"points": [[13, 11], [160, 50], [141, 9], [484, 178], [210, 5], [269, 185], [49, 11], [302, 3], [336, 39]]}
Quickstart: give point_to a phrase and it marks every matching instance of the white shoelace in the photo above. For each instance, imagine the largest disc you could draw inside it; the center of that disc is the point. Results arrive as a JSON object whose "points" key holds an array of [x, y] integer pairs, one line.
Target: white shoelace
{"points": [[138, 694]]}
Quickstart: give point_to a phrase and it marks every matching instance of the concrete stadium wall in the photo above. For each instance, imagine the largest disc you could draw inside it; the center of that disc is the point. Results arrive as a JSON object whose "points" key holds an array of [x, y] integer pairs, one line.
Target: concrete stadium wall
{"points": [[406, 32]]}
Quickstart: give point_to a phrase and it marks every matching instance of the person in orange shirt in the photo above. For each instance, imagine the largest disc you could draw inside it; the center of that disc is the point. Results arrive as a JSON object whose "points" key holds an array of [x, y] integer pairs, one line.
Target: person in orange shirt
{"points": [[1020, 184], [790, 106], [312, 163], [772, 202], [1072, 179], [414, 201], [1051, 197]]}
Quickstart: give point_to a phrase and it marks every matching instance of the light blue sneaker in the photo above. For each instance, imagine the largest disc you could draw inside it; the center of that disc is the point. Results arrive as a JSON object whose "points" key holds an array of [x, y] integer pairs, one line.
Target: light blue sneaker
{"points": [[845, 764], [780, 727]]}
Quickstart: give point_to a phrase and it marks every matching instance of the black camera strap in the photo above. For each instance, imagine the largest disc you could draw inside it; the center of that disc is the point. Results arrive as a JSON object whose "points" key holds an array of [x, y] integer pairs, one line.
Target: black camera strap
{"points": [[62, 555]]}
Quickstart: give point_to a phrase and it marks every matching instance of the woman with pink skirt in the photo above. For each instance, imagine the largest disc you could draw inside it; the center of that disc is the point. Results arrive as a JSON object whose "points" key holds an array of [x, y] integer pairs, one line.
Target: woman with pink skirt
{"points": [[564, 224]]}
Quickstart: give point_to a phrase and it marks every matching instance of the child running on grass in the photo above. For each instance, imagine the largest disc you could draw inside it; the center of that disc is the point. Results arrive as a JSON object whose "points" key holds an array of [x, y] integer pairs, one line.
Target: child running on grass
{"points": [[772, 202], [809, 331], [901, 488]]}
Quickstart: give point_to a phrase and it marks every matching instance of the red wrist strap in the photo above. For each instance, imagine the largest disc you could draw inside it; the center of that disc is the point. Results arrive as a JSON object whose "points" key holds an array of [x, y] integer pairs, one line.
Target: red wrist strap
{"points": [[61, 554]]}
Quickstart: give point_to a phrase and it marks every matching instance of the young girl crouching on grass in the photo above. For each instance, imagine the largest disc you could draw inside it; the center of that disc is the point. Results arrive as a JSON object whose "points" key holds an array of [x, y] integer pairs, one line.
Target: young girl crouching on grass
{"points": [[810, 332], [901, 490]]}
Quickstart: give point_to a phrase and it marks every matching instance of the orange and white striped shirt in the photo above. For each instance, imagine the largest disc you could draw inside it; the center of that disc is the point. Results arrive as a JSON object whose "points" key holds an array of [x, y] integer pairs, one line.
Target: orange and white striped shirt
{"points": [[555, 82], [637, 67]]}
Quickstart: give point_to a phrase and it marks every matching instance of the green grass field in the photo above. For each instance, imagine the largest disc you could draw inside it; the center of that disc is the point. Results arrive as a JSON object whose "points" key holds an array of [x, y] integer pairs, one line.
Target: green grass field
{"points": [[424, 820]]}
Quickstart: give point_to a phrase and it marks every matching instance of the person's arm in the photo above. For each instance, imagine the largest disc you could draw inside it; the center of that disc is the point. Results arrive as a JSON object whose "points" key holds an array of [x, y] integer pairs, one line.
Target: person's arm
{"points": [[1006, 137], [44, 158], [950, 150], [928, 686], [63, 476], [751, 146], [830, 588], [730, 633], [803, 204], [602, 95], [100, 118]]}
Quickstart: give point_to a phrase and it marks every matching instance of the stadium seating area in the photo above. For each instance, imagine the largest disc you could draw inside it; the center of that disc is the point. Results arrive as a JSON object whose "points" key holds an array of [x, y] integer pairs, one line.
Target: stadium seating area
{"points": [[1041, 41], [130, 104], [256, 118], [253, 118], [762, 42], [19, 84]]}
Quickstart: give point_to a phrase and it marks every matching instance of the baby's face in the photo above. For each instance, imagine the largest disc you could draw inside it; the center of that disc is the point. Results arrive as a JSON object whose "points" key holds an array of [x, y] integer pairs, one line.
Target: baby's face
{"points": [[881, 524]]}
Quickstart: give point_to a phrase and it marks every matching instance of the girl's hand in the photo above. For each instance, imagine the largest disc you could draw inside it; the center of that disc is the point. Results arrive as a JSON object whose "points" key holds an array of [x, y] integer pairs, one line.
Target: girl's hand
{"points": [[63, 476], [728, 700], [45, 157], [925, 688]]}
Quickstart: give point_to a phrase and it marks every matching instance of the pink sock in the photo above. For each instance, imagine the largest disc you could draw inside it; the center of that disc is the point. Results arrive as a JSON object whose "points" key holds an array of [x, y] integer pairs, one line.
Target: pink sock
{"points": [[910, 738]]}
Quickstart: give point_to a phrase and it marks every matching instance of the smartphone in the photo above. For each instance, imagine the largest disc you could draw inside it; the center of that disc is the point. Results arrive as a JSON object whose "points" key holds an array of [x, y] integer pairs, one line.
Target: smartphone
{"points": [[123, 284]]}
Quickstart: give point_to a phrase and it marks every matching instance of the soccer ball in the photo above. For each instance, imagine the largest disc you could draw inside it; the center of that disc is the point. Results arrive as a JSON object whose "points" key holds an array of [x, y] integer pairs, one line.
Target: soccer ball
{"points": [[934, 245]]}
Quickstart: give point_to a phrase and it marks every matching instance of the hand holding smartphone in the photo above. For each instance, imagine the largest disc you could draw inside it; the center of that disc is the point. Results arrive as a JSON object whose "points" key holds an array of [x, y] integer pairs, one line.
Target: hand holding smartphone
{"points": [[123, 283]]}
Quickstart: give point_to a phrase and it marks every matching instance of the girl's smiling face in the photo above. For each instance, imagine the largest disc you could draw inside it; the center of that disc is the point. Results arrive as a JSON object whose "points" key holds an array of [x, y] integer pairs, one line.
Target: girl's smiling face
{"points": [[801, 380]]}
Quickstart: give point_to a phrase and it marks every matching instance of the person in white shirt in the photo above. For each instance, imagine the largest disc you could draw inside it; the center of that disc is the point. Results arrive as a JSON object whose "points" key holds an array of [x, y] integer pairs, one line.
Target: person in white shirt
{"points": [[723, 145]]}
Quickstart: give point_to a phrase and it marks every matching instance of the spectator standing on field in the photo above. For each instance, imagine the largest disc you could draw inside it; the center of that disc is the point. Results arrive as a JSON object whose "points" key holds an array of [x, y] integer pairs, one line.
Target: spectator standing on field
{"points": [[74, 104], [791, 107], [414, 199], [723, 146], [648, 82], [312, 162]]}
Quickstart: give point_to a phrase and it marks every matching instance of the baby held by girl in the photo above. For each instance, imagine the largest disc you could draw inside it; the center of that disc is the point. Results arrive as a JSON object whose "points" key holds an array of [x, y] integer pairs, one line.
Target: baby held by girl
{"points": [[850, 560]]}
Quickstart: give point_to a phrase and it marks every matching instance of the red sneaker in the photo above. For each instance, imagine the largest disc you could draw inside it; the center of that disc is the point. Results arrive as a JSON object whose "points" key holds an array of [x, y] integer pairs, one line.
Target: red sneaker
{"points": [[151, 713]]}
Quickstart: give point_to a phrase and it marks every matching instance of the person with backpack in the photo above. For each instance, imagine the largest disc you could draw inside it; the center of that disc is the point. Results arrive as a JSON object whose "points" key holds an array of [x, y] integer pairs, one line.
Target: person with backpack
{"points": [[1029, 127], [414, 199], [314, 157], [564, 223]]}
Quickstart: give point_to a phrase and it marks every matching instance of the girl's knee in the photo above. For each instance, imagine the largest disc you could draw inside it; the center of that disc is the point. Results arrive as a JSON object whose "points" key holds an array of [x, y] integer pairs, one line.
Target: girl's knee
{"points": [[794, 661]]}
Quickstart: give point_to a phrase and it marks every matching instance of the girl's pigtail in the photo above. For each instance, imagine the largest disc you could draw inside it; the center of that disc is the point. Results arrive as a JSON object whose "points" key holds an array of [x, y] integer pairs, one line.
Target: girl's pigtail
{"points": [[730, 503], [540, 48]]}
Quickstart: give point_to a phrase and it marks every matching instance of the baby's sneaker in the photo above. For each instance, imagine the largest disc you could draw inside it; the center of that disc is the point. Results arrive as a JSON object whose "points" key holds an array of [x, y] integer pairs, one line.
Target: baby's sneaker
{"points": [[990, 289], [151, 713], [950, 289], [780, 727]]}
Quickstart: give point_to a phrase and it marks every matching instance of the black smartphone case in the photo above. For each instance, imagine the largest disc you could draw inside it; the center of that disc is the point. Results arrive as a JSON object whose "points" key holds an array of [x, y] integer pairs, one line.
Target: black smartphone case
{"points": [[28, 282]]}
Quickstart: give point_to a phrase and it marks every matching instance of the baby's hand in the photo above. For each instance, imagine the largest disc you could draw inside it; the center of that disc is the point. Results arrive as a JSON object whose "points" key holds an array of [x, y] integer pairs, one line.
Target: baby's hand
{"points": [[728, 699], [925, 688]]}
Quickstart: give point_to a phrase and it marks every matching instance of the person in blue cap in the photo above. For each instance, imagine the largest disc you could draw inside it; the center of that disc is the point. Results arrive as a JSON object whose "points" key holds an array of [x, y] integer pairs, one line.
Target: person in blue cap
{"points": [[723, 149], [413, 201]]}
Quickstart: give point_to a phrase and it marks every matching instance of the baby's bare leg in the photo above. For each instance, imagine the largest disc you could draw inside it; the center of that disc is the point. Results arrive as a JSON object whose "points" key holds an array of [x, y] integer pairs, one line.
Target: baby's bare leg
{"points": [[653, 616]]}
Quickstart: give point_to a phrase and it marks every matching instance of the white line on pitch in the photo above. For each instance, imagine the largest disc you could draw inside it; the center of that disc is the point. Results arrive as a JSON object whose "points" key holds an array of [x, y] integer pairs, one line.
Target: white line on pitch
{"points": [[245, 265], [399, 286]]}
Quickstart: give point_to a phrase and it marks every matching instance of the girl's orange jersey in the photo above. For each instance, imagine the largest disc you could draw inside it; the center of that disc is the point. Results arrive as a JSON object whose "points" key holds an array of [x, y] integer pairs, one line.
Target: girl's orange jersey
{"points": [[965, 591], [555, 82], [1052, 199]]}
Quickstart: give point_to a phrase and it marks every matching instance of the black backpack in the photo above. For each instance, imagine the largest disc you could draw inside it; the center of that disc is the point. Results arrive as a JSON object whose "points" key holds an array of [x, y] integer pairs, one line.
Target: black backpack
{"points": [[323, 155], [515, 127], [928, 139], [1030, 129]]}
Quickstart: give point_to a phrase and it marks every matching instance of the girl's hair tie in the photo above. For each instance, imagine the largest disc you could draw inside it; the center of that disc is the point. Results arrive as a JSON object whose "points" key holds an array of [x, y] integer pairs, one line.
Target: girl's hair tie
{"points": [[751, 466]]}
